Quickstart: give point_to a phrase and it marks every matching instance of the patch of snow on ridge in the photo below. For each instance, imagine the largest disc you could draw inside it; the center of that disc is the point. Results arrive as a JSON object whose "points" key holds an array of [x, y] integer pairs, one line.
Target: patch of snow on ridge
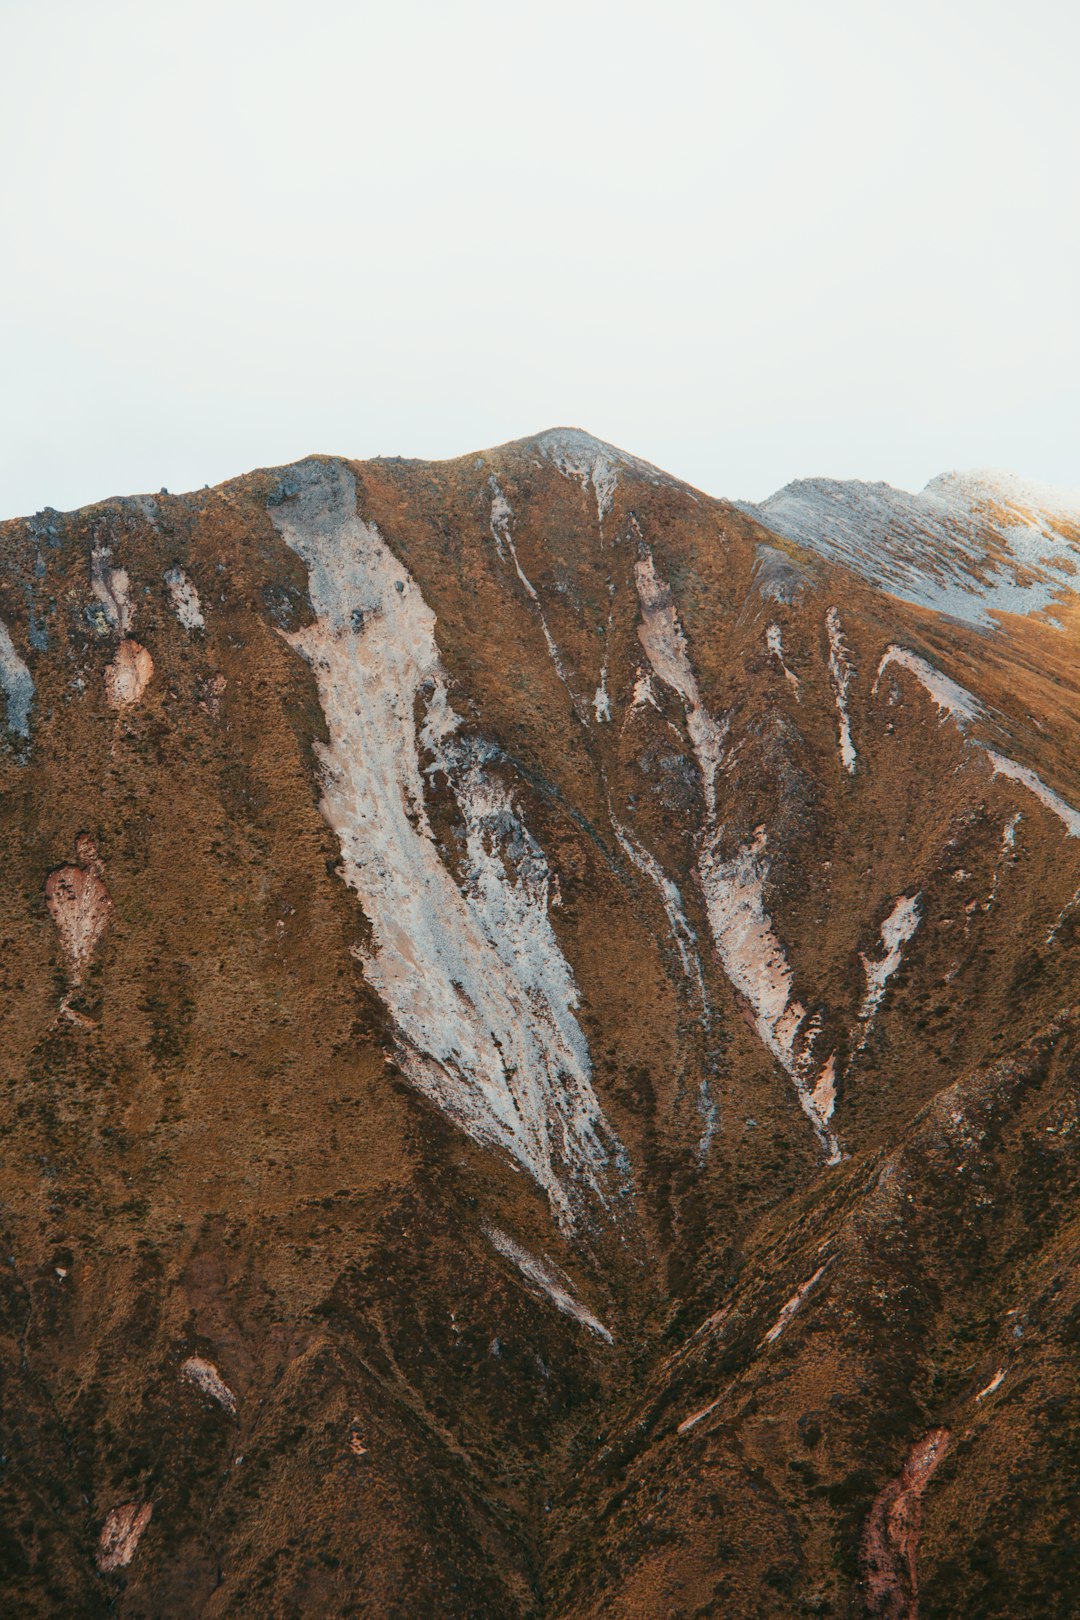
{"points": [[842, 674], [18, 684], [897, 929], [754, 961], [1035, 784], [956, 701], [185, 599], [970, 545], [661, 635], [548, 1278], [950, 697], [481, 996]]}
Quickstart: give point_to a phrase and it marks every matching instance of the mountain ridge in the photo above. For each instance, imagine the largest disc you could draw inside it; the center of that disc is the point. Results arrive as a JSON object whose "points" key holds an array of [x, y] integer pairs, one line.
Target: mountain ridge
{"points": [[540, 1021]]}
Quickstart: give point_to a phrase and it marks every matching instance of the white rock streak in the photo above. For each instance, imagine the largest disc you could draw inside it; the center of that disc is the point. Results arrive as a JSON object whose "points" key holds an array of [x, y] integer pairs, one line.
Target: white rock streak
{"points": [[549, 1279], [794, 1304], [643, 691], [775, 642], [995, 1383], [1006, 853], [501, 515], [898, 927], [842, 674], [661, 635], [753, 959], [751, 954], [18, 684], [956, 701], [671, 900], [601, 701], [185, 599], [205, 1376], [688, 1423], [481, 996]]}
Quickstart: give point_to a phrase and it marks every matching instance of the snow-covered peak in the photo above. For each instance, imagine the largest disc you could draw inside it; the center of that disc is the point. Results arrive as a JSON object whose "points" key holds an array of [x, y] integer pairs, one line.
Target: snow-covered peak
{"points": [[970, 544]]}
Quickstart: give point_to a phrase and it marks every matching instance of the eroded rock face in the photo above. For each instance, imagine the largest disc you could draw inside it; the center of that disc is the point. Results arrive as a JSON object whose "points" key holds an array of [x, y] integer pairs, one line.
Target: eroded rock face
{"points": [[128, 676], [890, 1546], [80, 905], [121, 1534]]}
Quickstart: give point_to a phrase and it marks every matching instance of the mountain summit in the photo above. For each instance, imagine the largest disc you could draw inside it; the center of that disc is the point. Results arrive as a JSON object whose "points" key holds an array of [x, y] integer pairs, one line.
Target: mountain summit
{"points": [[540, 1035]]}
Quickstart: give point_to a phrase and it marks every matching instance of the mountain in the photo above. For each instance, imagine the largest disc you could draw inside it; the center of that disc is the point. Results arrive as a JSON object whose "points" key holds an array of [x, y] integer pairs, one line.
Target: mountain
{"points": [[540, 1046]]}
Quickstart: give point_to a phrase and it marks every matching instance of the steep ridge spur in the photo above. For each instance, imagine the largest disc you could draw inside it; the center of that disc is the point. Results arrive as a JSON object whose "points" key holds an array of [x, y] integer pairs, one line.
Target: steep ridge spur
{"points": [[548, 1085]]}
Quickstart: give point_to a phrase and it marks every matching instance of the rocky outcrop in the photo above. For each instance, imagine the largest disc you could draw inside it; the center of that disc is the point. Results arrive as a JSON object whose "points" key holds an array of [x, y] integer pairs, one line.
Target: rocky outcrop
{"points": [[120, 1535], [891, 1540], [80, 905], [128, 676]]}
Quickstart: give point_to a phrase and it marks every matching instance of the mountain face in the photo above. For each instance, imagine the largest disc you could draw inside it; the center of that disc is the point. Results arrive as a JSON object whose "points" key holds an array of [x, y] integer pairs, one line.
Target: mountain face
{"points": [[540, 1046]]}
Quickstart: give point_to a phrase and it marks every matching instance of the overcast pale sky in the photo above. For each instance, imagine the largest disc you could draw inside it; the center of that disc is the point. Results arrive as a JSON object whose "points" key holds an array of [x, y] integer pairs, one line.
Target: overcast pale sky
{"points": [[750, 242]]}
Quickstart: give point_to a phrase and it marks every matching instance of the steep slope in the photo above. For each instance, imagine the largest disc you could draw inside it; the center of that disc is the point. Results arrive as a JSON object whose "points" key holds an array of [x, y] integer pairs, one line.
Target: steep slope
{"points": [[540, 1047]]}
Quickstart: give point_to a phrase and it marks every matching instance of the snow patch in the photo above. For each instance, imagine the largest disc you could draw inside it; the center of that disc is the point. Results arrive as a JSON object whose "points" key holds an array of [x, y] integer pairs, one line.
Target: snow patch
{"points": [[80, 905], [643, 691], [951, 698], [842, 674], [710, 1120], [1035, 784], [823, 1096], [956, 701], [995, 1383], [549, 1279], [897, 929], [482, 999]]}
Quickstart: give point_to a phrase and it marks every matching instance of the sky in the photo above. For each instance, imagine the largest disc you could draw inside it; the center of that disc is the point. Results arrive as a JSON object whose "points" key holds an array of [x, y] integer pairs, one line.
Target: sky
{"points": [[749, 242]]}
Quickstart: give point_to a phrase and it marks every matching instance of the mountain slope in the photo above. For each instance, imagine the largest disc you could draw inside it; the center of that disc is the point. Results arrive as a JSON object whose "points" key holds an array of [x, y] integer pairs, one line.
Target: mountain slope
{"points": [[540, 1035]]}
